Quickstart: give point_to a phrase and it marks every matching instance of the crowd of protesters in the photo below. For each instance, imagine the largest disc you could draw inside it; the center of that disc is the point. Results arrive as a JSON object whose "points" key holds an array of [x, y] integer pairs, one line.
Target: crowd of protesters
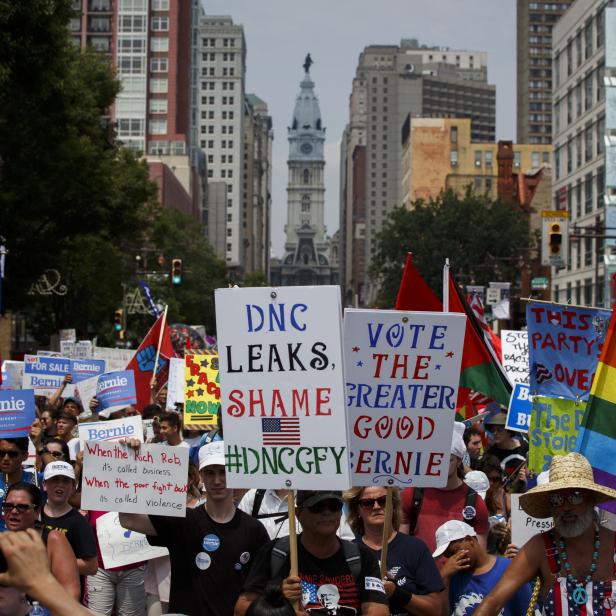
{"points": [[449, 549]]}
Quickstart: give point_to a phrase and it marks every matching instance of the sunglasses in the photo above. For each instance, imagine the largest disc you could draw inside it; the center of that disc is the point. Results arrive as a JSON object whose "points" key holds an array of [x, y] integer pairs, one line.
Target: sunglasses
{"points": [[331, 504], [21, 507], [9, 452], [573, 498], [368, 503], [55, 454]]}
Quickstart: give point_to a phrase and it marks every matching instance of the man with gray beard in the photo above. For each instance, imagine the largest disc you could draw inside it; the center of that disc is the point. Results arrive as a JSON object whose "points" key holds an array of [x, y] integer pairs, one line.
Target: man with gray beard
{"points": [[575, 560]]}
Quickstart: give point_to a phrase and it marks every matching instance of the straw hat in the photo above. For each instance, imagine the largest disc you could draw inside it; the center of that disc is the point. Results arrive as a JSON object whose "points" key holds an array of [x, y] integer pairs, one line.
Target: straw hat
{"points": [[572, 471]]}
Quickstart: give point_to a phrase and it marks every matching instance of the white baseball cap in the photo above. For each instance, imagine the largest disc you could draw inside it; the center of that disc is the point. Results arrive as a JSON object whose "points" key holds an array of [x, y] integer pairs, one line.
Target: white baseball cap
{"points": [[212, 453], [55, 469], [453, 530], [479, 481], [458, 448]]}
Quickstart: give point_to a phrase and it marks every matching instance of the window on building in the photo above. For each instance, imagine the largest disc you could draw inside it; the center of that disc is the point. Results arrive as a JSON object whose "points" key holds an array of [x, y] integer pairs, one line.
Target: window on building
{"points": [[306, 204], [600, 134], [588, 251], [159, 43], [478, 158], [578, 196], [160, 5], [517, 159], [158, 127], [578, 149], [489, 158], [159, 65], [588, 143], [600, 182], [588, 193], [306, 176], [160, 24], [588, 288], [158, 105], [158, 86], [454, 134], [534, 159]]}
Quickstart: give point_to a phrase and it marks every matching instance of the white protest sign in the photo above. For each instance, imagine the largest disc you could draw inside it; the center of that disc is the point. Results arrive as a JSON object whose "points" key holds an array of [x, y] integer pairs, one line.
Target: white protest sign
{"points": [[515, 355], [524, 526], [151, 480], [175, 384], [282, 387], [120, 547], [112, 430], [87, 390], [12, 374], [67, 348], [116, 359], [402, 371], [45, 374], [68, 335], [83, 349]]}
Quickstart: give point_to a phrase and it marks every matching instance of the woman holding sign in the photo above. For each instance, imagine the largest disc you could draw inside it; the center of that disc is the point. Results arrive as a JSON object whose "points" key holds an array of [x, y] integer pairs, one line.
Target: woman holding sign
{"points": [[413, 582]]}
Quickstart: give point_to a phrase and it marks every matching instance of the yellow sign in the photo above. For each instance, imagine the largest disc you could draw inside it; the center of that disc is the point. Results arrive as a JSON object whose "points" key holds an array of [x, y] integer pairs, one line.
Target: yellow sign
{"points": [[201, 391]]}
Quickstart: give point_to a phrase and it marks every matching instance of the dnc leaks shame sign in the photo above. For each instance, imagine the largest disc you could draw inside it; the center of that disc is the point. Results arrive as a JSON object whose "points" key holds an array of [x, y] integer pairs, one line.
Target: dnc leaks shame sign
{"points": [[564, 347], [16, 413]]}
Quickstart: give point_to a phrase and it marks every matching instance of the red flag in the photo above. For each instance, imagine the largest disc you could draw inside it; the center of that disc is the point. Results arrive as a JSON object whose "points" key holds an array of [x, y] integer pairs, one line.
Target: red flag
{"points": [[142, 363], [474, 301], [480, 370]]}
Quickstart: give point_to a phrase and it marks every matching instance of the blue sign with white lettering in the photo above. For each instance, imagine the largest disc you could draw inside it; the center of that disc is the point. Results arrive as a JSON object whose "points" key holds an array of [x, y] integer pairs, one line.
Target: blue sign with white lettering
{"points": [[16, 413], [82, 369], [116, 389], [45, 374], [520, 406]]}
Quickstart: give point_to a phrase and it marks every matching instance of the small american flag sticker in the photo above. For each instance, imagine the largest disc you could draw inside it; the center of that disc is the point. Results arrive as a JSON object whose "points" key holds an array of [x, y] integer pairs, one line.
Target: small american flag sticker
{"points": [[280, 431]]}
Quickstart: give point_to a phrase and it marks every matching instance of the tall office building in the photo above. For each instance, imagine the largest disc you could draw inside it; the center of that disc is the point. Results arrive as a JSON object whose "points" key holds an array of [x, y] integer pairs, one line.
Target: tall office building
{"points": [[535, 21], [149, 45], [391, 83], [584, 42], [306, 259]]}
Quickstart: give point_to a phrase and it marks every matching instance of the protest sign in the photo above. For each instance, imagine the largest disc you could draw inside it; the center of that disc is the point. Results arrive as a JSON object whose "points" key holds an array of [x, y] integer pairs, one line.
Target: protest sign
{"points": [[564, 347], [554, 427], [515, 355], [17, 412], [86, 390], [402, 371], [82, 369], [68, 335], [116, 359], [518, 413], [524, 526], [175, 384], [12, 374], [120, 547], [45, 374], [67, 348], [201, 390], [83, 349], [282, 387], [151, 480], [112, 430], [116, 389]]}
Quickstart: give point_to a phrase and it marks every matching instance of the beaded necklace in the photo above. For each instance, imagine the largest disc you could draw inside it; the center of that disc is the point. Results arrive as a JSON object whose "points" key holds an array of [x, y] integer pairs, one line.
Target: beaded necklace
{"points": [[579, 594]]}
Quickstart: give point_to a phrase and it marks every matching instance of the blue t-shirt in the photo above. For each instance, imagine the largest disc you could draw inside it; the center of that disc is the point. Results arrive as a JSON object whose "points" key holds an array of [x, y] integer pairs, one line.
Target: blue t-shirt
{"points": [[467, 591], [26, 476], [411, 566]]}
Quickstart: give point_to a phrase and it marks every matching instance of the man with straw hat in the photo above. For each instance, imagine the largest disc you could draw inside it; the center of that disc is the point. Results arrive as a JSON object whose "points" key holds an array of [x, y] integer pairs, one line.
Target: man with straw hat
{"points": [[575, 560]]}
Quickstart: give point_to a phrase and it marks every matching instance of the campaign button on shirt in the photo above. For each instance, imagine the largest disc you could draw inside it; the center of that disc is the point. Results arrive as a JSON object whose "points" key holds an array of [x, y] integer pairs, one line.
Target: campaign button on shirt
{"points": [[203, 561], [244, 557], [211, 542]]}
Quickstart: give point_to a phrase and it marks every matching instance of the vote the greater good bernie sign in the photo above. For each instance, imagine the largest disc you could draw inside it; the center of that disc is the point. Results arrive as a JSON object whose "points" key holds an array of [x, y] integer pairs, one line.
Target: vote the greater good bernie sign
{"points": [[282, 387]]}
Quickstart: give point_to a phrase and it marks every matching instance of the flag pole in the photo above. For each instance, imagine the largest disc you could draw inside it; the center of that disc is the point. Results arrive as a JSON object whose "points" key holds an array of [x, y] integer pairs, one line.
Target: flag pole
{"points": [[292, 538], [386, 532], [446, 286], [160, 341]]}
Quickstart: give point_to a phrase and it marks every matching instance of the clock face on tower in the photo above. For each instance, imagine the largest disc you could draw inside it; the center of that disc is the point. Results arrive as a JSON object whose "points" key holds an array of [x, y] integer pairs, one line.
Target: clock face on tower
{"points": [[306, 148]]}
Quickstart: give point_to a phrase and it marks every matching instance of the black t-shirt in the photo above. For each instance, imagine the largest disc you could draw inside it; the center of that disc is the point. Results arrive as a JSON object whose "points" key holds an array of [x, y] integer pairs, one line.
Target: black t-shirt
{"points": [[209, 560], [510, 459], [411, 566], [328, 586]]}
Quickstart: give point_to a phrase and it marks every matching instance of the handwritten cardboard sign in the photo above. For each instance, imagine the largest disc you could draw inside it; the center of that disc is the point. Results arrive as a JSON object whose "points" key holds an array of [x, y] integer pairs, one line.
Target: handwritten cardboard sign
{"points": [[45, 374], [112, 430], [17, 412], [519, 411], [282, 387], [116, 389], [120, 547], [82, 369], [152, 480], [175, 383], [564, 347], [515, 355], [524, 526], [554, 427], [201, 390], [402, 371]]}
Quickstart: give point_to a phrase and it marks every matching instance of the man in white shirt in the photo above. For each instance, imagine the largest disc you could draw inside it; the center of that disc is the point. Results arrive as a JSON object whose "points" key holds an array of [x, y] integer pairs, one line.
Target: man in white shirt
{"points": [[171, 430]]}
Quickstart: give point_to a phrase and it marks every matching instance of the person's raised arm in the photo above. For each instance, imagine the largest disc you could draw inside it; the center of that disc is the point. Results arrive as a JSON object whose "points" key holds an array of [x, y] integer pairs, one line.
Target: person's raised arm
{"points": [[523, 568], [53, 399], [63, 563], [137, 522]]}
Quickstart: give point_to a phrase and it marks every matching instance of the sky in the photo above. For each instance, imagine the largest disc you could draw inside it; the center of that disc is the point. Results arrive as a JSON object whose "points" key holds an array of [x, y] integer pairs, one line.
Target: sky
{"points": [[279, 34]]}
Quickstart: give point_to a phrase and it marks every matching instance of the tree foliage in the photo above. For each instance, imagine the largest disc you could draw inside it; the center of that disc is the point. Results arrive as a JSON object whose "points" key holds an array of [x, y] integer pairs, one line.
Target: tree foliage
{"points": [[483, 240]]}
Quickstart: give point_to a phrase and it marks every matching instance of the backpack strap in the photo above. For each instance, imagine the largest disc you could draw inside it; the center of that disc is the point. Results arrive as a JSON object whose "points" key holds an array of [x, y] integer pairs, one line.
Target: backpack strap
{"points": [[352, 556], [279, 555], [256, 505], [415, 509], [471, 498]]}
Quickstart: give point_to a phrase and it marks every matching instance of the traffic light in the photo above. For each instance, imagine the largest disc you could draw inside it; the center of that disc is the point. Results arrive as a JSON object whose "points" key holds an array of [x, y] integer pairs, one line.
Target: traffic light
{"points": [[118, 323], [555, 238], [176, 272]]}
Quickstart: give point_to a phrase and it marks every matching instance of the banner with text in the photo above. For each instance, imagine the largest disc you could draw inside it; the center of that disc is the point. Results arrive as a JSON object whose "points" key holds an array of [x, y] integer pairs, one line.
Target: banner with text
{"points": [[112, 430], [402, 371], [116, 389], [121, 547], [45, 374], [201, 390], [175, 383], [564, 347], [82, 369], [151, 480], [282, 387], [17, 412], [520, 404], [554, 426], [515, 355]]}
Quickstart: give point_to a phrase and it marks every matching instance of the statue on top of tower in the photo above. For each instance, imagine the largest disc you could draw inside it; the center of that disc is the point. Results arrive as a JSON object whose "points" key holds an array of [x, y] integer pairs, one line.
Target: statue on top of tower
{"points": [[307, 63]]}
